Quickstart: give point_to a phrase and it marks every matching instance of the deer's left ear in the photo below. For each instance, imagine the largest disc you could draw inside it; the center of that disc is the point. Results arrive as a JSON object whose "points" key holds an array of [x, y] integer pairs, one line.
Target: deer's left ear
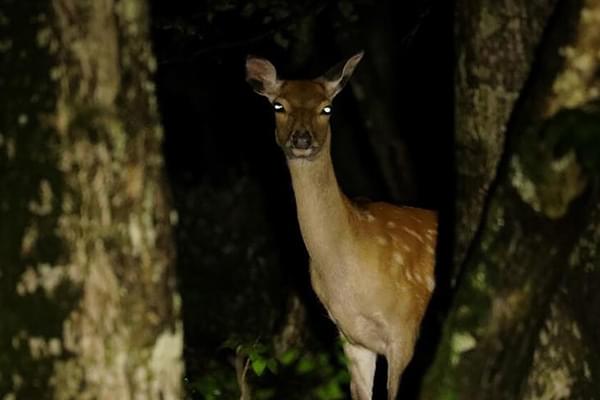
{"points": [[262, 76], [336, 78]]}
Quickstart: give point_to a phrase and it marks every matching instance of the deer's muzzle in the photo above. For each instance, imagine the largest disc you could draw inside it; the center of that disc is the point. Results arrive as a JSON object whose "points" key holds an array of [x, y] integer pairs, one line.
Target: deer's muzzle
{"points": [[301, 140], [301, 144]]}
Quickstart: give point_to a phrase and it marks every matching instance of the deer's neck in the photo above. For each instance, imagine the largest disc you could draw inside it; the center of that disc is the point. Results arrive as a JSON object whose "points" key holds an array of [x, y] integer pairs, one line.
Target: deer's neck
{"points": [[323, 211]]}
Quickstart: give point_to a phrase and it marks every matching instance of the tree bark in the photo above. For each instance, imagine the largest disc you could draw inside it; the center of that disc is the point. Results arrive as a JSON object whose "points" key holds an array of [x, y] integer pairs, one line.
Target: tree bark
{"points": [[87, 295], [520, 326], [495, 46]]}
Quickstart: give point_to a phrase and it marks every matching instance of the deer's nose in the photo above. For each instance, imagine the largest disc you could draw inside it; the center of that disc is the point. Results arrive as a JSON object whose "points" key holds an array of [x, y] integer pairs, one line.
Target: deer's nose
{"points": [[301, 140]]}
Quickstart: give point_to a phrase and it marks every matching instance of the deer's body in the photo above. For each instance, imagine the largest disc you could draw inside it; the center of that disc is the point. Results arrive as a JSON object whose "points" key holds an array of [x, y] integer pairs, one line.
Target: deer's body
{"points": [[371, 264]]}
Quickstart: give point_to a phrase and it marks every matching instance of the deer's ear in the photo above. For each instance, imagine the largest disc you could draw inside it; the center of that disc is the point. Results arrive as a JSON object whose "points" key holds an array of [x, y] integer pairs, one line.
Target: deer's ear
{"points": [[336, 78], [262, 76]]}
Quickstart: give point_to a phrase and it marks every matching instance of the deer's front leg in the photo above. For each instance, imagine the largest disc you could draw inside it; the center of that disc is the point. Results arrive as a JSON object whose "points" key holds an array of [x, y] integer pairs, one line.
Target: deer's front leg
{"points": [[361, 363]]}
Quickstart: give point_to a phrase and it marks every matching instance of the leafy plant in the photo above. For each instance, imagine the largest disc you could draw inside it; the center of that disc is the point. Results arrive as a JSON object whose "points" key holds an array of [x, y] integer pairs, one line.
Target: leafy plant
{"points": [[297, 373]]}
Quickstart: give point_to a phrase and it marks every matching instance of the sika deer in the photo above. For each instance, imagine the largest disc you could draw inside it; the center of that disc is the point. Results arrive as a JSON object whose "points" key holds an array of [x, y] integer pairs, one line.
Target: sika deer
{"points": [[371, 265]]}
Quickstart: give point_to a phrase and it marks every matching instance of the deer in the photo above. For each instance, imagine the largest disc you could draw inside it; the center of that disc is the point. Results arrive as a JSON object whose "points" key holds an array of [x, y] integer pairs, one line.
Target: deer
{"points": [[371, 263]]}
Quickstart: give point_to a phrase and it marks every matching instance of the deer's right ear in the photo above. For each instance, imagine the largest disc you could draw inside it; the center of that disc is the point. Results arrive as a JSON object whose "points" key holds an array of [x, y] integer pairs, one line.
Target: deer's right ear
{"points": [[262, 76]]}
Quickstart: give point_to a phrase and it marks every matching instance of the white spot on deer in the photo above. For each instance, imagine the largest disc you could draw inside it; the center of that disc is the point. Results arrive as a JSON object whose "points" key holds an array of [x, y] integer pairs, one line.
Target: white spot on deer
{"points": [[391, 224], [381, 240], [370, 217], [430, 250], [406, 247], [430, 284], [416, 219], [409, 275], [413, 233], [397, 257], [395, 239]]}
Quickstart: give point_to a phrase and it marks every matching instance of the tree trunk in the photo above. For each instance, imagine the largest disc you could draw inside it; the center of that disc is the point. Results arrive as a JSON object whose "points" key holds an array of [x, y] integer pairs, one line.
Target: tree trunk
{"points": [[524, 323], [87, 295], [495, 47]]}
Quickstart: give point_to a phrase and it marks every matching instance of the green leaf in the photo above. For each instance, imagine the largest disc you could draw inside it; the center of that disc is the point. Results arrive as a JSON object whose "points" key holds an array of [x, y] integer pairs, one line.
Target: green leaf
{"points": [[289, 356], [342, 376], [264, 394], [306, 365], [258, 366], [272, 365], [330, 391]]}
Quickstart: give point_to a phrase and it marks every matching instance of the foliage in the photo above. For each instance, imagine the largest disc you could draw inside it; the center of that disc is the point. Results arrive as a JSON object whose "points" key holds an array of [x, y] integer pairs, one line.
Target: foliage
{"points": [[234, 273], [297, 373]]}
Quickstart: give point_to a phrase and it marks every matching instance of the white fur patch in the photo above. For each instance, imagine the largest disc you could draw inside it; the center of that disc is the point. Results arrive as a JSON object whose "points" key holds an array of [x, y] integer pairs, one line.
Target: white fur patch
{"points": [[381, 240], [397, 257], [413, 234], [302, 152], [430, 284]]}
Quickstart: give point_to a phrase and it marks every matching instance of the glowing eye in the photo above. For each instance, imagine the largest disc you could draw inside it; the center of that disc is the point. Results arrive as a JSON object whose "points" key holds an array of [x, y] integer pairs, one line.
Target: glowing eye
{"points": [[278, 107], [326, 110]]}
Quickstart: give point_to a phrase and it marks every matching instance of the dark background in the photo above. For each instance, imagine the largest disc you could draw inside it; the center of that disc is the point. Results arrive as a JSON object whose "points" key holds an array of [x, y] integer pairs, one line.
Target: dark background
{"points": [[240, 254]]}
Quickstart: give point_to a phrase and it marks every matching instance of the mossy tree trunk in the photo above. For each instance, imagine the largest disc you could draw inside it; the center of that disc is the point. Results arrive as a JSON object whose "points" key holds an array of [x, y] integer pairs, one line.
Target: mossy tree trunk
{"points": [[524, 322], [87, 297], [495, 47]]}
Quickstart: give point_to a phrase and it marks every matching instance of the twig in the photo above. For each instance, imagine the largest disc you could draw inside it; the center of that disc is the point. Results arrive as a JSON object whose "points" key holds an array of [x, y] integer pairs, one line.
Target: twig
{"points": [[409, 37], [242, 363]]}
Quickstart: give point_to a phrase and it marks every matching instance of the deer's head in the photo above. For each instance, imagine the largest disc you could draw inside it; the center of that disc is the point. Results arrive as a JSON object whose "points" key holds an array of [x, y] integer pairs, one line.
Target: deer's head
{"points": [[302, 107]]}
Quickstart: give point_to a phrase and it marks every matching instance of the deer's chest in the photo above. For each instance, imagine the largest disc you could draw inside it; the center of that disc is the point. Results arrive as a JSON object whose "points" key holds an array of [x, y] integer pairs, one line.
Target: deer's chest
{"points": [[351, 302]]}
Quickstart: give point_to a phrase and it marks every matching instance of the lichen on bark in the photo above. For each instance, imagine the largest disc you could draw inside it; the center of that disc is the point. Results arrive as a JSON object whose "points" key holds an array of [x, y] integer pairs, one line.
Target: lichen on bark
{"points": [[516, 329], [89, 275], [489, 37]]}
